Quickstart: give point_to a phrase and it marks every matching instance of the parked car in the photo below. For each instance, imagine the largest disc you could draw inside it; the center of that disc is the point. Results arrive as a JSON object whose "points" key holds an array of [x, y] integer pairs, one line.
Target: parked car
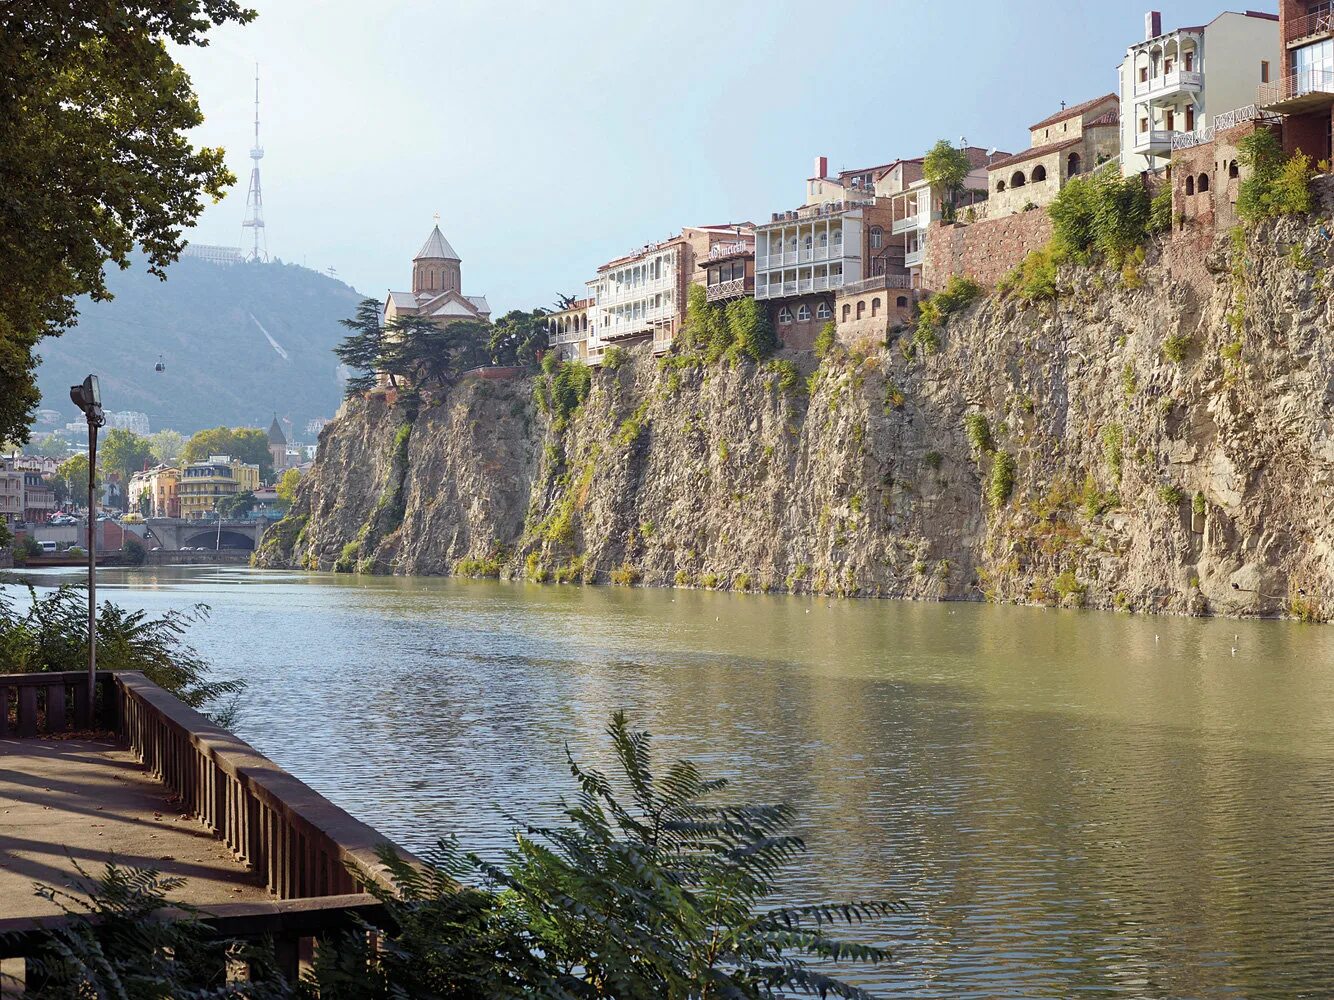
{"points": [[48, 548]]}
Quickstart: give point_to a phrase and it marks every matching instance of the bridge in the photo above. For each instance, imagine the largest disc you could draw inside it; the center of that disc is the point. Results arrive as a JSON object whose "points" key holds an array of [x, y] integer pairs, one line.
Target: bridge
{"points": [[176, 533]]}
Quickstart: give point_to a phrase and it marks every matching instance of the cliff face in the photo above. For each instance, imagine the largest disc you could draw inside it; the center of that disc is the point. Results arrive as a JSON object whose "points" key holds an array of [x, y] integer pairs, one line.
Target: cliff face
{"points": [[1160, 440]]}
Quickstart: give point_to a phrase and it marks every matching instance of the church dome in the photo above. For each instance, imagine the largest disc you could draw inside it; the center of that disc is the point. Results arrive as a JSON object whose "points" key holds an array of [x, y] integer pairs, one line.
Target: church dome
{"points": [[436, 247]]}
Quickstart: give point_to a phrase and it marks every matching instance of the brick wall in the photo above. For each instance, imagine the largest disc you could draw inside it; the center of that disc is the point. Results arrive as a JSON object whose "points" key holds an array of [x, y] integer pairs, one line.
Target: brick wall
{"points": [[984, 251], [800, 335]]}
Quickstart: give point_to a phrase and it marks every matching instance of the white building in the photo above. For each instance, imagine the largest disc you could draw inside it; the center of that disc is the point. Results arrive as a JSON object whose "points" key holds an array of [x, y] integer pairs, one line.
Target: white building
{"points": [[639, 297], [127, 420], [817, 248], [1177, 82]]}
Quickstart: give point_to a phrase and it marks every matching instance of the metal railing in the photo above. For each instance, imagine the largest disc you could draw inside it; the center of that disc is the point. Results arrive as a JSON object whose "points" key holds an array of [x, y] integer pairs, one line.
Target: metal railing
{"points": [[805, 255], [1170, 83], [1239, 116], [1312, 81], [1318, 21], [733, 289], [878, 282], [1189, 140]]}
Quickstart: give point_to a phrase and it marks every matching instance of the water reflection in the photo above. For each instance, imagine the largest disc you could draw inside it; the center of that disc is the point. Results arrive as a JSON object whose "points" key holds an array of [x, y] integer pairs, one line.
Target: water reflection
{"points": [[1072, 803]]}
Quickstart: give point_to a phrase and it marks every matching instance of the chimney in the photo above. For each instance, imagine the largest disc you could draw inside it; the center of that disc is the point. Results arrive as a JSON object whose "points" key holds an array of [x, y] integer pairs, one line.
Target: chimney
{"points": [[1153, 24], [822, 167]]}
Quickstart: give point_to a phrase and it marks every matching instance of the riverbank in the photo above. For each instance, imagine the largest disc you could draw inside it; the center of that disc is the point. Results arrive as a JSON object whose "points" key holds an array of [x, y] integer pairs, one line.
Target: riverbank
{"points": [[1126, 446]]}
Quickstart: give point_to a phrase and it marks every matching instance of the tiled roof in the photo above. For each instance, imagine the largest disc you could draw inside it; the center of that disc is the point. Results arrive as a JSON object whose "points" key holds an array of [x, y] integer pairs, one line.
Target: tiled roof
{"points": [[403, 300], [1034, 153], [436, 247], [479, 303], [1078, 109]]}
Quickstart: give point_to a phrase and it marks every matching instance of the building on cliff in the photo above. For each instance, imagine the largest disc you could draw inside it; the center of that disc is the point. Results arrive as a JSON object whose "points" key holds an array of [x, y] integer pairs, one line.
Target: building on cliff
{"points": [[567, 331], [1174, 82], [437, 287], [1304, 91]]}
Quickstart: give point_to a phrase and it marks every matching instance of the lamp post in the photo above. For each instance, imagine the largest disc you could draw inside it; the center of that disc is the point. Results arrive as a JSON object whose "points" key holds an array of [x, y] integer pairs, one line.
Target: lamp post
{"points": [[88, 398]]}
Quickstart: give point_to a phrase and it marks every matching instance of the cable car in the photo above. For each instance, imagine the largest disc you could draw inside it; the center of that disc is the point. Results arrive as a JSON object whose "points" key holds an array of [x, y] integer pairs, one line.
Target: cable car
{"points": [[160, 366]]}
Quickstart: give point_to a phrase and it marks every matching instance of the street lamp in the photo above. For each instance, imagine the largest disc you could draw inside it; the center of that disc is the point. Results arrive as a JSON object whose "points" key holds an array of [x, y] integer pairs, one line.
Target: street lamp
{"points": [[88, 398]]}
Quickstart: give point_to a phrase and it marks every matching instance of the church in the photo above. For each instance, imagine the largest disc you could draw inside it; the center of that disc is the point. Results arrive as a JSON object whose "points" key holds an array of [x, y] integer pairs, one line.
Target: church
{"points": [[437, 287]]}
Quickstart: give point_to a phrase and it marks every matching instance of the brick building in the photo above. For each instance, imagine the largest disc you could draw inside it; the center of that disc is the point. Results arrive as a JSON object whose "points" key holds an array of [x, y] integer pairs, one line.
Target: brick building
{"points": [[1304, 93]]}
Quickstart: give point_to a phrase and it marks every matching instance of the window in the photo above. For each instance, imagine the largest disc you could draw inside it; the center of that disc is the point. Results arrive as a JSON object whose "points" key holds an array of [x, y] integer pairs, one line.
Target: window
{"points": [[1018, 180], [1190, 185], [1232, 169], [1264, 70], [877, 237], [861, 309], [1144, 124], [847, 312], [1171, 121], [822, 311], [1000, 185], [1073, 165], [875, 306], [803, 313], [824, 239], [785, 316], [1144, 74], [1190, 61], [810, 242], [1039, 173], [1190, 118], [1168, 63], [901, 302], [1203, 184]]}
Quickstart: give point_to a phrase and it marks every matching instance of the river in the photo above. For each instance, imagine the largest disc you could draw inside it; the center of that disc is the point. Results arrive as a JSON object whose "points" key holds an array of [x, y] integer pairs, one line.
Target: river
{"points": [[1072, 803]]}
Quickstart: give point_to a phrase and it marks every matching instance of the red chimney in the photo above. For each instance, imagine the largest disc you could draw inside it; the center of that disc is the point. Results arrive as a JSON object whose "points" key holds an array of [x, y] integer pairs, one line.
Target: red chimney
{"points": [[822, 167], [1153, 24]]}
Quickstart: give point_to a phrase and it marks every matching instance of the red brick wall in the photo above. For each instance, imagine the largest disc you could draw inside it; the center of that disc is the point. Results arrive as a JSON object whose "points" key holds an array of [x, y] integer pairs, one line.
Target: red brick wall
{"points": [[1308, 133], [985, 251], [799, 336]]}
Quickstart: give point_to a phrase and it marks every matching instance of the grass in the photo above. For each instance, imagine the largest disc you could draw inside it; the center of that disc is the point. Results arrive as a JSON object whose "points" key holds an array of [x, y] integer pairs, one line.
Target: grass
{"points": [[1000, 484], [1177, 347], [979, 433]]}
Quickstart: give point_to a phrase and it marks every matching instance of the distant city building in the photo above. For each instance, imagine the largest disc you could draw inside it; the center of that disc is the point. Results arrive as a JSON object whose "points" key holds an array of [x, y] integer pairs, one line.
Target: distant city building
{"points": [[314, 427], [1176, 82], [11, 495], [204, 485], [39, 498], [48, 417], [126, 420], [44, 464], [212, 253], [161, 485]]}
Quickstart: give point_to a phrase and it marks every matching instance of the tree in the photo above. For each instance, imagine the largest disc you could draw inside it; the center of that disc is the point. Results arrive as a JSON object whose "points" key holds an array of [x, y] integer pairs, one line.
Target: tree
{"points": [[429, 355], [237, 506], [517, 337], [74, 473], [1275, 183], [166, 446], [287, 485], [946, 168], [363, 350], [124, 452], [95, 161], [249, 444]]}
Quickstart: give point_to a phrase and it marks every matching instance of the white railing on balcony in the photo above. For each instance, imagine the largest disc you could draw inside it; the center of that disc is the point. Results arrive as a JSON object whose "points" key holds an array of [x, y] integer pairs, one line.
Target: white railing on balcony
{"points": [[831, 251], [918, 220], [1153, 139], [733, 289], [1311, 81], [1240, 116], [1170, 83], [617, 294], [1189, 140], [913, 257], [878, 282]]}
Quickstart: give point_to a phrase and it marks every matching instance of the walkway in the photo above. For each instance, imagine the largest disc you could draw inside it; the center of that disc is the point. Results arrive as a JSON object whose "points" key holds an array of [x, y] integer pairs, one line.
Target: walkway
{"points": [[64, 801]]}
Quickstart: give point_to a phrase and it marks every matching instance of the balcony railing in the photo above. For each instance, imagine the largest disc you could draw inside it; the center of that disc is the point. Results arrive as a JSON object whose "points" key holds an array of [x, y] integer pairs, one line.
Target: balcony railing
{"points": [[1155, 140], [830, 251], [914, 257], [1319, 21], [618, 294], [878, 282], [723, 290], [1299, 92], [1175, 82]]}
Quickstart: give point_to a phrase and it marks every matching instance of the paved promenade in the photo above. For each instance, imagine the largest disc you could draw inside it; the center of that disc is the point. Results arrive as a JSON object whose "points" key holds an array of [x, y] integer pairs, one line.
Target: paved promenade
{"points": [[67, 801]]}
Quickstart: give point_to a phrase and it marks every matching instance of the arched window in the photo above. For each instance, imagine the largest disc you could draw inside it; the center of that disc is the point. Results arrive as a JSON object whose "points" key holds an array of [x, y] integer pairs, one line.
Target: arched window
{"points": [[875, 306], [822, 311], [901, 302], [810, 242], [803, 313], [837, 236], [1232, 169], [792, 245], [861, 309], [785, 316], [1190, 185], [1018, 180], [824, 239], [1000, 185], [1073, 165], [1039, 173], [1203, 184], [877, 237], [847, 312]]}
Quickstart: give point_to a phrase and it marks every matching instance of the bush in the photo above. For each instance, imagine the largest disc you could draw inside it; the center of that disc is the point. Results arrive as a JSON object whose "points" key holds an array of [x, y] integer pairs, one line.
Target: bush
{"points": [[749, 328], [1198, 504], [478, 568], [1170, 495], [1113, 436], [826, 339], [1100, 214], [979, 433], [133, 551], [24, 549], [1160, 210], [1276, 184], [1001, 483], [787, 375], [1068, 586], [1034, 280], [934, 312], [1177, 346], [625, 575], [570, 387], [614, 357]]}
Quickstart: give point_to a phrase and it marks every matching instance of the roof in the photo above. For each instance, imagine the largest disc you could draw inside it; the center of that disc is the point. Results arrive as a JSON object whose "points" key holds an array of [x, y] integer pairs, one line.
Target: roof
{"points": [[436, 247], [1035, 152], [1078, 109], [403, 300], [276, 435], [479, 303]]}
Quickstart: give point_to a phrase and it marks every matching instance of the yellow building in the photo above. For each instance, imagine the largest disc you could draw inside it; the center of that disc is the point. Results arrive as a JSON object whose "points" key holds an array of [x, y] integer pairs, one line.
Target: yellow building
{"points": [[204, 485], [161, 485]]}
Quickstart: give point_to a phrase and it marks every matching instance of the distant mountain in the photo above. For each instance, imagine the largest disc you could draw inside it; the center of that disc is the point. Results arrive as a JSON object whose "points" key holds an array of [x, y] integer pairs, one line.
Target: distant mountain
{"points": [[239, 343]]}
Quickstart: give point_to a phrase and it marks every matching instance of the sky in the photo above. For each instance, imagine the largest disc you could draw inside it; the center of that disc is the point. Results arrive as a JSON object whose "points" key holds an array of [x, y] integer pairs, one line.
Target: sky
{"points": [[553, 137]]}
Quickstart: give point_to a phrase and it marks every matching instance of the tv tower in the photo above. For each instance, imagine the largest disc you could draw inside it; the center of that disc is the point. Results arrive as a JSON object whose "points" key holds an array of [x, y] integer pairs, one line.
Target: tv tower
{"points": [[254, 204]]}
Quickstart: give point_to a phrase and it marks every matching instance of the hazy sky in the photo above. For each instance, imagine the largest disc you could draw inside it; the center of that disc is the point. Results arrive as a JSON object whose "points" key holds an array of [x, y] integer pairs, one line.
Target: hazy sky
{"points": [[552, 137]]}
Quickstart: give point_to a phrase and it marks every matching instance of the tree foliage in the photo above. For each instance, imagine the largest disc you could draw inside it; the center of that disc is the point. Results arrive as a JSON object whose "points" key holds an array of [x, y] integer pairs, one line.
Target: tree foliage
{"points": [[649, 890], [362, 349], [74, 473], [94, 161], [1100, 214], [1275, 183], [517, 337], [287, 484], [166, 446], [248, 444], [124, 453], [946, 168], [740, 327]]}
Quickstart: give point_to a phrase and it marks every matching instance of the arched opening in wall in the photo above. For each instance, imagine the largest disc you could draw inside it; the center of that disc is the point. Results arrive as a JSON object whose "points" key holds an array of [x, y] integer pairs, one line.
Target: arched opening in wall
{"points": [[1018, 180], [1232, 170], [847, 312], [1039, 173], [901, 302], [785, 316], [1000, 185], [861, 309], [803, 313], [1203, 184], [1073, 165], [1190, 185], [875, 306], [877, 237]]}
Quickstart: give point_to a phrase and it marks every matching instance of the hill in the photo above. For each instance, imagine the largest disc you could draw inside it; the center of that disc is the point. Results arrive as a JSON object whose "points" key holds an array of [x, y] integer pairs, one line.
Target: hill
{"points": [[238, 342]]}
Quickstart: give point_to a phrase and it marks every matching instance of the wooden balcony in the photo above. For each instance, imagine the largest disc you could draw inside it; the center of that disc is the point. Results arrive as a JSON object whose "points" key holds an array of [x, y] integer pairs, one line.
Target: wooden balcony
{"points": [[138, 778], [736, 288]]}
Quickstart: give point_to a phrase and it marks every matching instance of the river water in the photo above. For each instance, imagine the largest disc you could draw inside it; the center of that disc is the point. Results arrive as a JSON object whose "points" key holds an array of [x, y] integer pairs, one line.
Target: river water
{"points": [[1071, 803]]}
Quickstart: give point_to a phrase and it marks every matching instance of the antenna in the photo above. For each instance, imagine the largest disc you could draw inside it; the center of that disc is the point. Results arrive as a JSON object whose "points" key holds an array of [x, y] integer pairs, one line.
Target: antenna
{"points": [[254, 203]]}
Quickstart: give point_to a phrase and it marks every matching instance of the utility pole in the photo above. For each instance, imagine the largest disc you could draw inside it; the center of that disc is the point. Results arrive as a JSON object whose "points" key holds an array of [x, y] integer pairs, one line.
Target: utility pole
{"points": [[88, 398]]}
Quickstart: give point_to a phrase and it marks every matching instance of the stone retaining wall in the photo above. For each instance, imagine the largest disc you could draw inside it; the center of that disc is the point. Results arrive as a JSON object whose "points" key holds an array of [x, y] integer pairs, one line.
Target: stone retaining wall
{"points": [[985, 250]]}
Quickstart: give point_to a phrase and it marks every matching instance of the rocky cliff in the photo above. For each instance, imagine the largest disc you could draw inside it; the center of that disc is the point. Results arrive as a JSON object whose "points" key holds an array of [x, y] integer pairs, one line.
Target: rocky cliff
{"points": [[1158, 439]]}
